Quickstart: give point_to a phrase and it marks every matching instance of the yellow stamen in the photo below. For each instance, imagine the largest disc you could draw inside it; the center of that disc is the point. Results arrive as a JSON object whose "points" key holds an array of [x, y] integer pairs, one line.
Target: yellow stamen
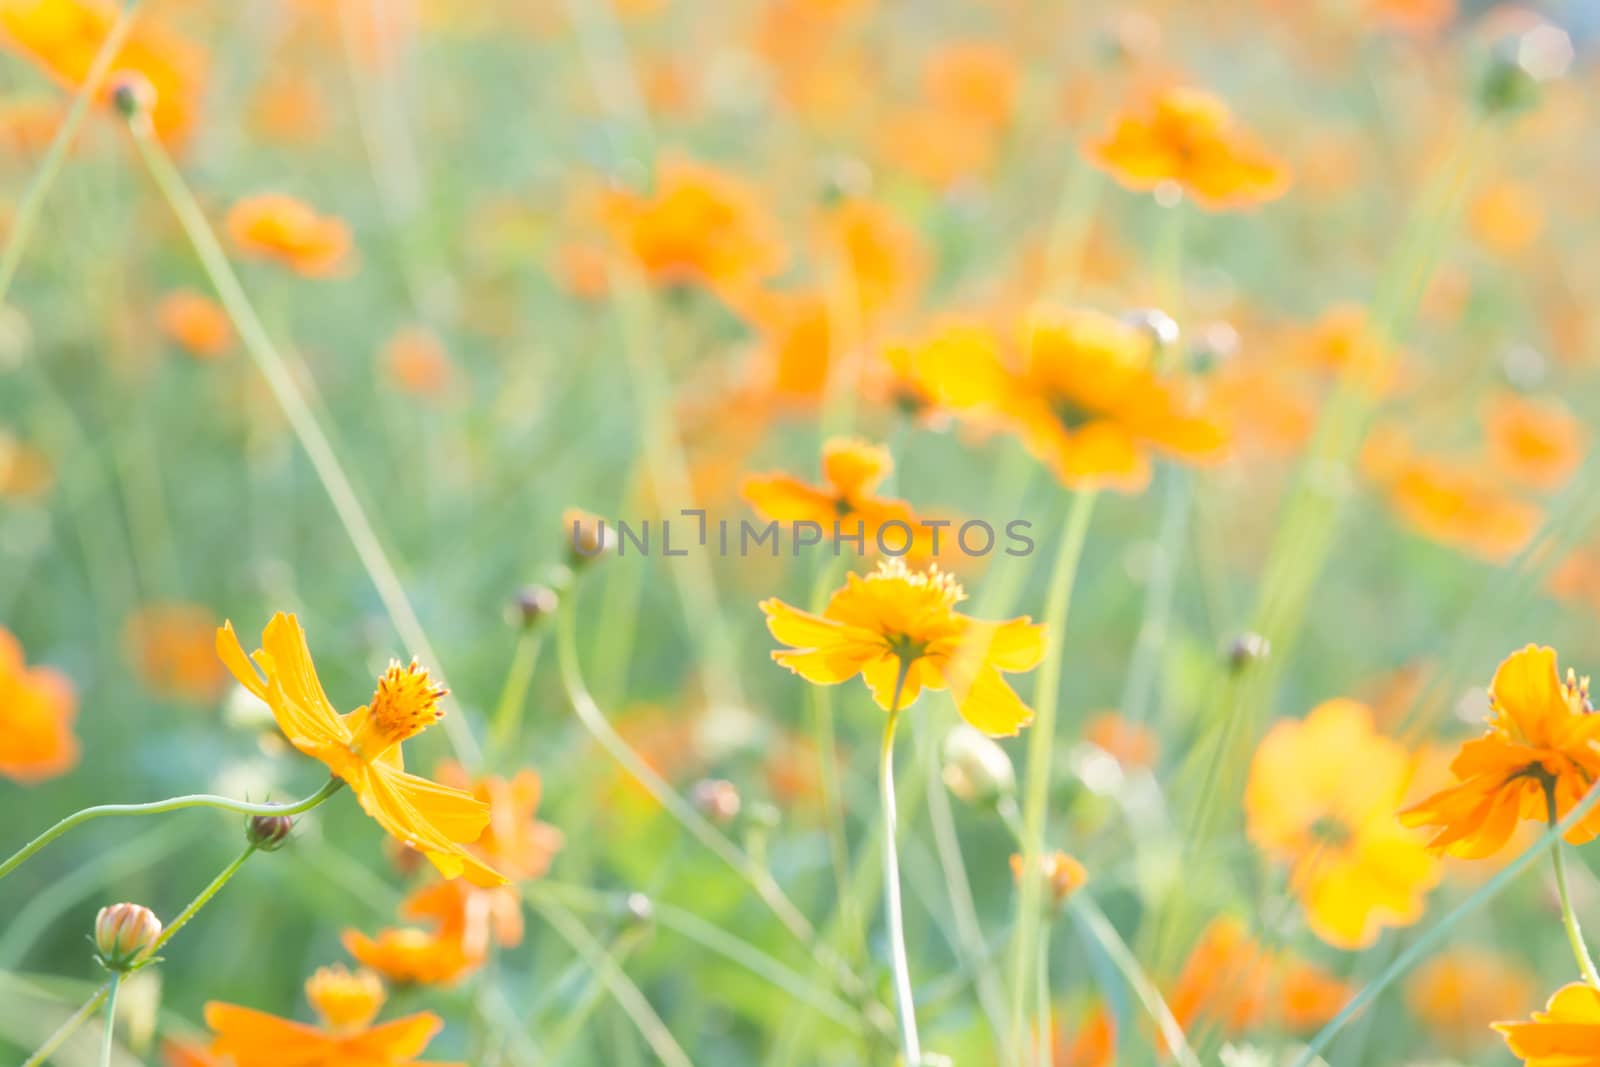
{"points": [[347, 1002], [405, 703]]}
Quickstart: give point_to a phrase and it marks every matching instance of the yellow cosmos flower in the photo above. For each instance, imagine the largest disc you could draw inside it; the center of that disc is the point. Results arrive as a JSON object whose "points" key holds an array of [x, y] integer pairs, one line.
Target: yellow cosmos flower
{"points": [[363, 747], [896, 620], [1536, 761], [1565, 1034]]}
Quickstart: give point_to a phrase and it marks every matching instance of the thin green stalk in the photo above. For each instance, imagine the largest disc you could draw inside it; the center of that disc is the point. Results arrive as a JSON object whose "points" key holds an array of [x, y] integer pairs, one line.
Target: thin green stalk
{"points": [[1089, 916], [1569, 917], [159, 807], [910, 1045], [1041, 749], [831, 796], [1043, 1054], [577, 1017], [507, 721], [1422, 946], [67, 1029], [109, 1041], [27, 215], [319, 450], [182, 918]]}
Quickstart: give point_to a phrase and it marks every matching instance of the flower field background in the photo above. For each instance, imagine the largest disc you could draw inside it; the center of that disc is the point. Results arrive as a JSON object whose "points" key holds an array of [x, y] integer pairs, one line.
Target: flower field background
{"points": [[798, 532]]}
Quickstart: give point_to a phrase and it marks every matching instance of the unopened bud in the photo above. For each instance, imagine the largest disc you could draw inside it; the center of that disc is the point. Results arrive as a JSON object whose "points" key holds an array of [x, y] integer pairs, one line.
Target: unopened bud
{"points": [[587, 536], [717, 799], [124, 934], [1161, 327], [268, 832], [639, 909], [533, 605], [1520, 63], [132, 95], [1246, 649], [976, 769], [1063, 875]]}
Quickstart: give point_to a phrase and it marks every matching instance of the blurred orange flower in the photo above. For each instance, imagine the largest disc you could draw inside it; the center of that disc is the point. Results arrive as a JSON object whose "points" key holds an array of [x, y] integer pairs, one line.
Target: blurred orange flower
{"points": [[1411, 16], [1459, 992], [1506, 218], [895, 621], [64, 36], [515, 842], [698, 225], [416, 361], [883, 258], [1131, 744], [1321, 798], [1063, 875], [195, 323], [1457, 503], [852, 470], [37, 706], [1231, 982], [463, 920], [25, 472], [971, 81], [1085, 398], [347, 1004], [1565, 1034], [363, 747], [172, 646], [277, 227], [1536, 761], [1188, 137], [1538, 443]]}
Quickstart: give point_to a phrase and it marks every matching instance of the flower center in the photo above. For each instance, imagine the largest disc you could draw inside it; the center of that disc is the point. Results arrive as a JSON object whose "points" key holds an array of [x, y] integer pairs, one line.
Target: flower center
{"points": [[346, 1002], [1330, 831], [1069, 413], [405, 703]]}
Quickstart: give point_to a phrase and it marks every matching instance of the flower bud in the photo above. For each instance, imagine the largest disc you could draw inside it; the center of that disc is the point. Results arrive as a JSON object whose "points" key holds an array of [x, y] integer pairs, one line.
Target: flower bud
{"points": [[268, 832], [533, 605], [717, 799], [1161, 327], [587, 536], [1063, 875], [133, 96], [976, 769], [1246, 649], [1521, 62], [123, 934], [639, 909]]}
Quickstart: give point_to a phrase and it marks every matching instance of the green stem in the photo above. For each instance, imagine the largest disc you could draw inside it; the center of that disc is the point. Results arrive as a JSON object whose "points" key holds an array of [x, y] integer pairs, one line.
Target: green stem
{"points": [[1041, 748], [318, 448], [68, 1028], [910, 1046], [1042, 1053], [159, 807], [1419, 949], [111, 1020], [507, 720], [27, 215], [183, 917], [1569, 917]]}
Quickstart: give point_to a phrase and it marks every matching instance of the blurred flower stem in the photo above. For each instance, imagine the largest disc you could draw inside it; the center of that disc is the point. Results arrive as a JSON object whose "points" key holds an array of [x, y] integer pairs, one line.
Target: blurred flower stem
{"points": [[910, 1045], [508, 710], [1569, 918], [158, 807], [33, 198], [1041, 749], [319, 450], [1419, 949], [825, 737], [69, 1027], [109, 1041]]}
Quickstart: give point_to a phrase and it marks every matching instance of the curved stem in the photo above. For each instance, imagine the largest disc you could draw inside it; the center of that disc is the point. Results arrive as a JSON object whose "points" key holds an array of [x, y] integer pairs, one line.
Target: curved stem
{"points": [[319, 450], [1425, 944], [159, 807], [1041, 748], [111, 1020], [1569, 917], [39, 187], [910, 1046]]}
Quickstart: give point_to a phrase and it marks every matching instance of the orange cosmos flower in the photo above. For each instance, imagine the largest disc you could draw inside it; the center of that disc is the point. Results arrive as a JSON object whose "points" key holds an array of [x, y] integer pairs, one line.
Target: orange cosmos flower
{"points": [[416, 361], [1506, 218], [1342, 341], [1536, 442], [1129, 743], [698, 225], [363, 746], [25, 472], [971, 81], [278, 227], [884, 259], [1565, 1034], [1577, 579], [1460, 992], [1321, 797], [37, 705], [1085, 398], [1063, 875], [895, 620], [348, 1004], [852, 469], [1536, 761], [1458, 503], [195, 323], [1236, 985], [1188, 137], [1411, 16], [172, 647], [463, 920], [515, 842], [64, 36]]}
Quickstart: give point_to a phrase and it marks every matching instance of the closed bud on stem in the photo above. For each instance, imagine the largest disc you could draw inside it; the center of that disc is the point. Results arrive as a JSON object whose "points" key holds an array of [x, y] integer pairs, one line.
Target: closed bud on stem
{"points": [[1063, 875], [638, 910], [587, 535], [1246, 649], [976, 769], [133, 96], [268, 832], [533, 605], [123, 935], [717, 799]]}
